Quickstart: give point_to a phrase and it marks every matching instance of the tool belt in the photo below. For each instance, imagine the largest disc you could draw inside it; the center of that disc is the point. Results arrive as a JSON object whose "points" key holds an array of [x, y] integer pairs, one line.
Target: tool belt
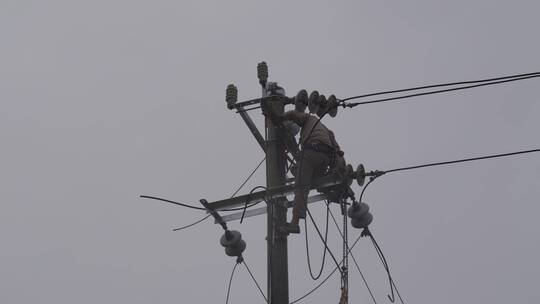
{"points": [[331, 152]]}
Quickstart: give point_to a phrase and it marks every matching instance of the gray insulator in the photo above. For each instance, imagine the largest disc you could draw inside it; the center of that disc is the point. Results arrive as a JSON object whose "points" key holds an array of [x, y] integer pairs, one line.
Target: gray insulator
{"points": [[362, 222], [358, 210], [313, 104], [301, 100], [360, 175], [231, 95], [333, 104], [262, 72], [236, 250], [349, 174], [230, 238], [323, 105]]}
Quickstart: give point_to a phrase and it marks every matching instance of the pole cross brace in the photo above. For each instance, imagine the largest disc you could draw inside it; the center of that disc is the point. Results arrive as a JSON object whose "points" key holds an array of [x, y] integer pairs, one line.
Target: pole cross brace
{"points": [[321, 184], [262, 210]]}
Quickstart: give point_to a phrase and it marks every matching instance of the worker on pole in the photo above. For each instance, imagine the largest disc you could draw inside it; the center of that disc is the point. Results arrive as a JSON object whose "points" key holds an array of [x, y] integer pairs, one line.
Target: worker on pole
{"points": [[319, 153]]}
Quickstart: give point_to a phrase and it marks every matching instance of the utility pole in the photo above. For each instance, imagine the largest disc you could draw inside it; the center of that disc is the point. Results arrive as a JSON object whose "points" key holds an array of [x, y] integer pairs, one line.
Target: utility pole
{"points": [[334, 187], [278, 272]]}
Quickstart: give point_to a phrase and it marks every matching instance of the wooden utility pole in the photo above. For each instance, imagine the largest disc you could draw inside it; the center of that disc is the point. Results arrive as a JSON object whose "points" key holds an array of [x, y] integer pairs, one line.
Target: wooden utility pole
{"points": [[277, 185], [278, 272]]}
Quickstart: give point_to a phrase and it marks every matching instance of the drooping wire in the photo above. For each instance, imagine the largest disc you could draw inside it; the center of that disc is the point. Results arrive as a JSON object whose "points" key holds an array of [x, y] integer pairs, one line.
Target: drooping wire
{"points": [[192, 224], [255, 281], [200, 208], [172, 202], [354, 260], [317, 276], [365, 187], [249, 176], [194, 207], [324, 242], [230, 282], [483, 82], [239, 208], [381, 173], [391, 281], [325, 279], [247, 201]]}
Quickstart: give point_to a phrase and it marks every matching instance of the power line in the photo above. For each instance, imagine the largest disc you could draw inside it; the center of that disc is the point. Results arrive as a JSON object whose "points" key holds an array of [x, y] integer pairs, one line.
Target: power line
{"points": [[482, 82], [172, 202], [354, 260], [322, 239], [230, 282], [325, 279], [351, 105], [192, 224], [200, 208], [250, 175], [316, 277], [463, 160], [247, 201], [380, 173], [255, 281], [386, 267], [194, 207]]}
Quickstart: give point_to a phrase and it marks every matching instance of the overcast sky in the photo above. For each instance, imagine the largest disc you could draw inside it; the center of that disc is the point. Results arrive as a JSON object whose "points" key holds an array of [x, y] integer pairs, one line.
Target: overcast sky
{"points": [[102, 101]]}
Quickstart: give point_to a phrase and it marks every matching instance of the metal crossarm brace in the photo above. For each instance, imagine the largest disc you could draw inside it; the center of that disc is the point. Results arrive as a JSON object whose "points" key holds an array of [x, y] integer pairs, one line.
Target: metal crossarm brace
{"points": [[320, 183], [262, 210]]}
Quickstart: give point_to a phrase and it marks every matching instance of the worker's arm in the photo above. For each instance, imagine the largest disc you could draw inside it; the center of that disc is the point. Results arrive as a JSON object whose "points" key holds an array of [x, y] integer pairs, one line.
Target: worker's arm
{"points": [[297, 117]]}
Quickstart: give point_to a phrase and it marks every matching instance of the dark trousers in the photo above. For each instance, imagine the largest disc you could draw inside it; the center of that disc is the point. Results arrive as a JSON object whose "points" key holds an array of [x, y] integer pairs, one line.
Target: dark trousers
{"points": [[312, 164]]}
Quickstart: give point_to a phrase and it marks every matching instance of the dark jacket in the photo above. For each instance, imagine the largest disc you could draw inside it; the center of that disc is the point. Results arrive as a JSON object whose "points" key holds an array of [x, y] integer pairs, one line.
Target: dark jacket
{"points": [[320, 133]]}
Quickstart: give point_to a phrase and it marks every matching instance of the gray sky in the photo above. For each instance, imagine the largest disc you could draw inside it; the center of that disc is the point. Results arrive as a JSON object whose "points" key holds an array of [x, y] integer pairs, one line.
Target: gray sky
{"points": [[105, 100]]}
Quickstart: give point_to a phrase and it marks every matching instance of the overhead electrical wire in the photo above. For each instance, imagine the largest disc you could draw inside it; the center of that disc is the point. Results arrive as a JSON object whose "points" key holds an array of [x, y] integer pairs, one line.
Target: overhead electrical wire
{"points": [[322, 239], [255, 281], [324, 280], [249, 176], [381, 173], [192, 224], [230, 282], [354, 260], [200, 208], [172, 202], [391, 281], [317, 276], [193, 207], [477, 83], [247, 201]]}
